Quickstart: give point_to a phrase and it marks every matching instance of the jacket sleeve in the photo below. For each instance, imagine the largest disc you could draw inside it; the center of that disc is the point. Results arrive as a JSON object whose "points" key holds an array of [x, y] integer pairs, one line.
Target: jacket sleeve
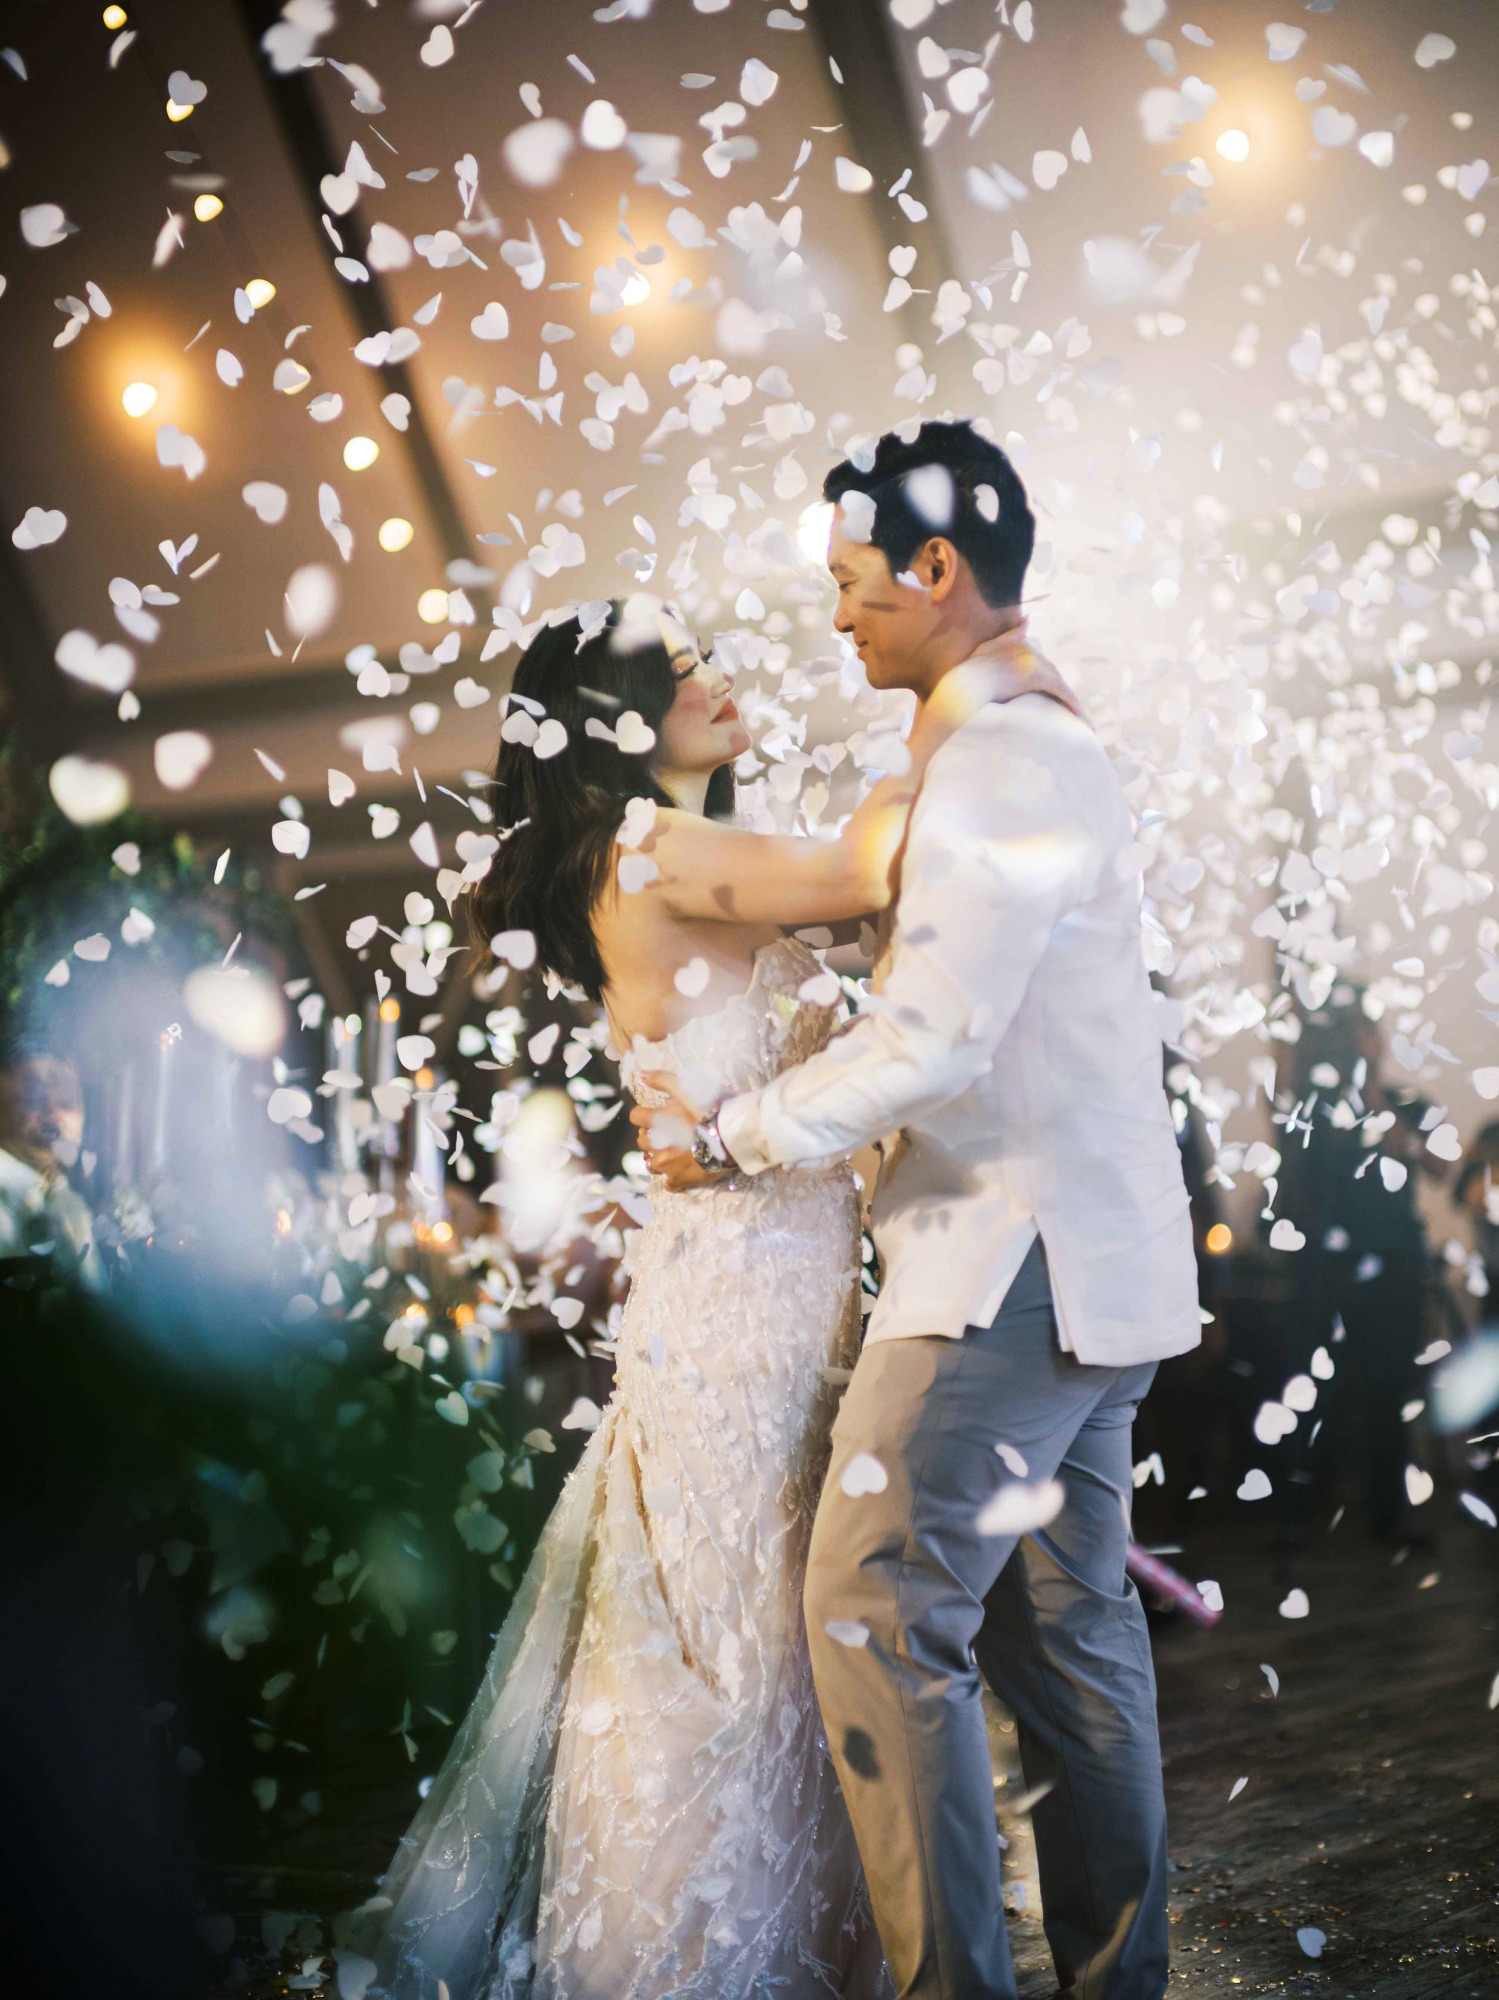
{"points": [[996, 856]]}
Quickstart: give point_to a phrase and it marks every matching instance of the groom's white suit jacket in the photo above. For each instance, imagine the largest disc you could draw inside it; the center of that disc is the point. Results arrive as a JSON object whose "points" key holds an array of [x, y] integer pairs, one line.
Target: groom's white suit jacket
{"points": [[1016, 1044]]}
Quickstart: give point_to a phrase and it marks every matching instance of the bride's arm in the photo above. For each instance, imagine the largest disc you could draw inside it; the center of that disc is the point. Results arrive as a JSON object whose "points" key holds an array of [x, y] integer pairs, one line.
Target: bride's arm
{"points": [[711, 870]]}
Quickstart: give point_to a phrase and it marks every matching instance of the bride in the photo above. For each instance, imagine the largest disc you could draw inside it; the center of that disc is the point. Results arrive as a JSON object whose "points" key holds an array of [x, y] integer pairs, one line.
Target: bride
{"points": [[640, 1803]]}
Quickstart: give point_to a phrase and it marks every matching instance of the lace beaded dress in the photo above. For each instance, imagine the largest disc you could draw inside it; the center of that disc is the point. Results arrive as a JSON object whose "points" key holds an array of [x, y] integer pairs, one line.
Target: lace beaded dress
{"points": [[640, 1804]]}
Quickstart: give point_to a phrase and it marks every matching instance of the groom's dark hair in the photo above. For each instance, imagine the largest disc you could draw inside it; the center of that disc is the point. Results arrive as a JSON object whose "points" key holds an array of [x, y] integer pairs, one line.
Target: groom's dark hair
{"points": [[981, 506]]}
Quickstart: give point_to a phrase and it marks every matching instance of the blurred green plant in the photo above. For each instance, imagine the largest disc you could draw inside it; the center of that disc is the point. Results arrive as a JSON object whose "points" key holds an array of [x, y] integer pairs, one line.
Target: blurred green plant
{"points": [[60, 882]]}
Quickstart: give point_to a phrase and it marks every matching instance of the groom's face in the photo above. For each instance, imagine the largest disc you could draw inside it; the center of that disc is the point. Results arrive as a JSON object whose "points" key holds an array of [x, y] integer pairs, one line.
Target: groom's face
{"points": [[889, 621]]}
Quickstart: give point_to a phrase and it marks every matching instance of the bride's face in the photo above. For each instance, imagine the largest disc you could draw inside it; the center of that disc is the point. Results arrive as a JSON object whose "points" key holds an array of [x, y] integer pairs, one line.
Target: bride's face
{"points": [[701, 729]]}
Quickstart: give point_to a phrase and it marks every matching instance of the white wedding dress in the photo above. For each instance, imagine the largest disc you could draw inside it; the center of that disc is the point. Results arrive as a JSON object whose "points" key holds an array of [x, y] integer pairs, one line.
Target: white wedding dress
{"points": [[640, 1804]]}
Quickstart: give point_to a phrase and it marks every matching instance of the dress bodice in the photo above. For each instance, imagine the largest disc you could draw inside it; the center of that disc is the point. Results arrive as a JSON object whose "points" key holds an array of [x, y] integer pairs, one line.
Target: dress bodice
{"points": [[750, 1039]]}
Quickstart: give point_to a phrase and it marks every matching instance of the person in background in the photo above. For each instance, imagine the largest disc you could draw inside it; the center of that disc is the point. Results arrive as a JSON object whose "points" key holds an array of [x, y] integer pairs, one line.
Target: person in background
{"points": [[1477, 1191], [1366, 1245], [41, 1133], [96, 1887]]}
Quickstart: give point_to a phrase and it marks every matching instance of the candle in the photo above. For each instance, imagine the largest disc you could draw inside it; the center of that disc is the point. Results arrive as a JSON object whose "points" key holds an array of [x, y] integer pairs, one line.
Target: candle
{"points": [[342, 1052], [123, 1164], [428, 1161], [166, 1046], [386, 1070]]}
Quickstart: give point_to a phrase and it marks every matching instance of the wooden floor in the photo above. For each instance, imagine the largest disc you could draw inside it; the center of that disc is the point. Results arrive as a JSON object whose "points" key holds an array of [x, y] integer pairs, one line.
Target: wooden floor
{"points": [[1371, 1811]]}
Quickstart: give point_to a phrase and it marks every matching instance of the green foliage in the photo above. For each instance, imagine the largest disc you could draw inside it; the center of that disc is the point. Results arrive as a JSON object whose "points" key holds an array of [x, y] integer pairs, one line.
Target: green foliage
{"points": [[59, 882]]}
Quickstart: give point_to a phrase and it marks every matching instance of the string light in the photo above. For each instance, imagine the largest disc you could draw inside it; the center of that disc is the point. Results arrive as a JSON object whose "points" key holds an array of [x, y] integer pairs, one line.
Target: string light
{"points": [[1234, 144], [138, 397], [260, 292], [360, 453], [177, 112], [207, 206], [115, 17], [432, 607], [395, 535]]}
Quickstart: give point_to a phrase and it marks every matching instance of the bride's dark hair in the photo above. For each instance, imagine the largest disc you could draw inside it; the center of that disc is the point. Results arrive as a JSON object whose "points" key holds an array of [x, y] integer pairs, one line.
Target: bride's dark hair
{"points": [[557, 816]]}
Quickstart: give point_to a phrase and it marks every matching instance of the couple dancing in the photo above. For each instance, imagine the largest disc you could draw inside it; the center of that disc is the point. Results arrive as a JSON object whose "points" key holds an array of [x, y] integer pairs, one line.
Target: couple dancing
{"points": [[730, 1744]]}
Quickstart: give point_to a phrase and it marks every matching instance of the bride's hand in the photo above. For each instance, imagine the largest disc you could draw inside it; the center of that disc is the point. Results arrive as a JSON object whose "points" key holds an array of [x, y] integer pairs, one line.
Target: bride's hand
{"points": [[957, 698], [666, 1134]]}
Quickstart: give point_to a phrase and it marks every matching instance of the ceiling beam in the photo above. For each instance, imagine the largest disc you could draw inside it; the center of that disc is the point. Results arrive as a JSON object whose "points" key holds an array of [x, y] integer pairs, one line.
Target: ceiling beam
{"points": [[36, 699], [858, 37], [294, 103]]}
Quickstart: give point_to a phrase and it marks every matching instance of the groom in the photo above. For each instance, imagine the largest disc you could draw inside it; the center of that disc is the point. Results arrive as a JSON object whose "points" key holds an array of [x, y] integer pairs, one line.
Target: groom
{"points": [[1036, 1255]]}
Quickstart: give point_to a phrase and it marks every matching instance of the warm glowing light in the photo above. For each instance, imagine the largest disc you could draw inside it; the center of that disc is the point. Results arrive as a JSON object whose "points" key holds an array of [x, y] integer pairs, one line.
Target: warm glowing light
{"points": [[463, 1315], [177, 112], [813, 530], [432, 607], [1219, 1239], [1233, 144], [360, 453], [283, 1222], [138, 398], [637, 289], [414, 1311], [424, 1079], [390, 1010], [395, 535], [260, 292], [443, 1233], [207, 206], [115, 17]]}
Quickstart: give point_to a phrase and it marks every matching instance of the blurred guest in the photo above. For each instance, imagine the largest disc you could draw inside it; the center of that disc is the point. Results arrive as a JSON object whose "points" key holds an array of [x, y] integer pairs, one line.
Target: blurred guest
{"points": [[96, 1889], [1477, 1191], [41, 1134], [1366, 1253]]}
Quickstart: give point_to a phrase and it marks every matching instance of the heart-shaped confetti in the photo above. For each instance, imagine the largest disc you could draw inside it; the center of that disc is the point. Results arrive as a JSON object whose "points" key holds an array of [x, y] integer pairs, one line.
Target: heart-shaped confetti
{"points": [[634, 735], [637, 872], [1433, 49], [535, 153], [1047, 168], [88, 791], [107, 666], [181, 757], [1332, 127], [292, 837], [491, 324], [339, 192], [38, 527], [602, 128], [44, 225], [265, 500], [1284, 40], [862, 1475]]}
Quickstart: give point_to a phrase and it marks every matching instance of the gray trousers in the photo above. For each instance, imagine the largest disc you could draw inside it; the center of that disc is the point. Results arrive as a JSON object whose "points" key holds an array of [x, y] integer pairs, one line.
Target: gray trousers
{"points": [[1048, 1618]]}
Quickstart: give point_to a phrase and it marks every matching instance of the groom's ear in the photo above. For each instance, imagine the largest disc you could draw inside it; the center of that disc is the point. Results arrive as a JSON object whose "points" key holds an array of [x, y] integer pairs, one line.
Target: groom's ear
{"points": [[936, 565]]}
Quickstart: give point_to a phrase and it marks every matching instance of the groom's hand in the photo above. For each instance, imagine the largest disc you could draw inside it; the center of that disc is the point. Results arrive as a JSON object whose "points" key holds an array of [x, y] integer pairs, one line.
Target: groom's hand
{"points": [[666, 1134]]}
